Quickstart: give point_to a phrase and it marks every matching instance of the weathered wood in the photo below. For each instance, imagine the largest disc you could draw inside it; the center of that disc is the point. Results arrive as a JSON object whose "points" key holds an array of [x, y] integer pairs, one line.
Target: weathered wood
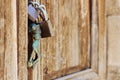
{"points": [[73, 49], [102, 45], [10, 55], [62, 50], [50, 47], [63, 72], [102, 41], [84, 33], [84, 75], [64, 24], [36, 72], [94, 35], [22, 39], [55, 22], [2, 45], [43, 66], [67, 52]]}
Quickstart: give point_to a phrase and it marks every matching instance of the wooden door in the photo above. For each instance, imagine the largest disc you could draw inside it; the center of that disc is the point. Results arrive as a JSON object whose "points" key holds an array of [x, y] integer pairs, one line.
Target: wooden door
{"points": [[8, 40], [69, 50], [76, 52], [78, 47]]}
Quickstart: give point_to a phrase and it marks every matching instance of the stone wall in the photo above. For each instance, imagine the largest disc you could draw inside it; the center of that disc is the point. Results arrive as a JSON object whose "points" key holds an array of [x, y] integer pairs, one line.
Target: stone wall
{"points": [[113, 34]]}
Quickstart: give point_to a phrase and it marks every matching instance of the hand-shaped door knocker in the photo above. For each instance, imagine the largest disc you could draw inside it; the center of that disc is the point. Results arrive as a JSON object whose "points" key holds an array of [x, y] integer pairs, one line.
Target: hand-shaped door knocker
{"points": [[39, 26]]}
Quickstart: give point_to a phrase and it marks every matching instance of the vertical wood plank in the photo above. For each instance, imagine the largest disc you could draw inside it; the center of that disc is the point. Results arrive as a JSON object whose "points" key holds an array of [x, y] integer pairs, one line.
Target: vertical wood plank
{"points": [[94, 35], [55, 22], [102, 40], [84, 36], [2, 40], [51, 42], [68, 36], [47, 59], [22, 39], [53, 54], [43, 65], [64, 23], [79, 30], [73, 52], [59, 53], [61, 9], [64, 33], [10, 63]]}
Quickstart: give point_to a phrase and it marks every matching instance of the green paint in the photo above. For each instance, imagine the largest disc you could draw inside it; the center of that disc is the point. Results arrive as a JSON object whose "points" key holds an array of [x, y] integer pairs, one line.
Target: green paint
{"points": [[36, 35]]}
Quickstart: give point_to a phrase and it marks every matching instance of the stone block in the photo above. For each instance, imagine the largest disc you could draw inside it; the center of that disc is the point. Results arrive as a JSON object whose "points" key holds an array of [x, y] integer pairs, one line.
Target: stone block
{"points": [[113, 25], [113, 73], [113, 7], [114, 40]]}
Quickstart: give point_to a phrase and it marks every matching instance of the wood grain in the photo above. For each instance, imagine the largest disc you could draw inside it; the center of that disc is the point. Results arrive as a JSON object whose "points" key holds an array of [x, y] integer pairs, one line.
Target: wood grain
{"points": [[84, 75], [22, 39], [63, 51], [67, 52], [43, 51], [62, 73], [50, 47], [73, 54], [102, 41], [2, 45], [10, 55], [84, 33], [94, 36]]}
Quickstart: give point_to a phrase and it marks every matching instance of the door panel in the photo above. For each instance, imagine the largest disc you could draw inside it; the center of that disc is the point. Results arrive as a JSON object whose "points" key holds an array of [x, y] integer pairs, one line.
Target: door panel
{"points": [[68, 51]]}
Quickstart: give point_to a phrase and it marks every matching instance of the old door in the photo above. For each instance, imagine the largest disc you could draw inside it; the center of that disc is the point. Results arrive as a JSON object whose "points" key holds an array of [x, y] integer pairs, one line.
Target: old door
{"points": [[78, 41], [69, 50], [77, 51]]}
